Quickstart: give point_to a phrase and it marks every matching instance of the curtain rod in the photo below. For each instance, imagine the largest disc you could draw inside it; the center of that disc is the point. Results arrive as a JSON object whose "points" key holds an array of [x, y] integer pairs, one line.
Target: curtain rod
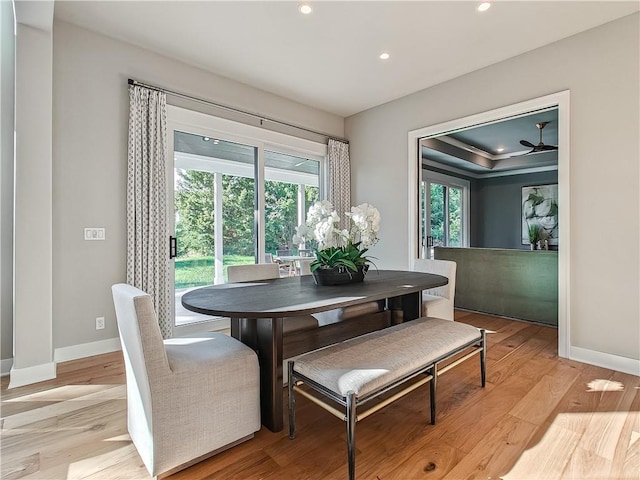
{"points": [[234, 110]]}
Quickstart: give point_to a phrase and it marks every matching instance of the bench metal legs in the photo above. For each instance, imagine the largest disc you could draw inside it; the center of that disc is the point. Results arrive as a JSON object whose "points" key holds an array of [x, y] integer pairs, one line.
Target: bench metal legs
{"points": [[292, 403], [483, 358], [432, 392], [434, 373], [350, 402], [351, 434]]}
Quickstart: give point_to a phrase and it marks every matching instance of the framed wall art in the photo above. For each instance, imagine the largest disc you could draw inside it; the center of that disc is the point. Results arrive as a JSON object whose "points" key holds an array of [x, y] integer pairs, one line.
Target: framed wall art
{"points": [[540, 213]]}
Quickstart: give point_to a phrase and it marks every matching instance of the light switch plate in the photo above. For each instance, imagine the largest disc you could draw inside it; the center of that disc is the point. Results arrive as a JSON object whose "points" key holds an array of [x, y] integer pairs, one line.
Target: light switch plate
{"points": [[93, 233]]}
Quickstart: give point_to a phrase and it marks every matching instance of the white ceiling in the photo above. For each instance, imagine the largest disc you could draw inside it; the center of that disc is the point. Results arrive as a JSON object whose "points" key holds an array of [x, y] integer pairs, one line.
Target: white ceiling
{"points": [[329, 59]]}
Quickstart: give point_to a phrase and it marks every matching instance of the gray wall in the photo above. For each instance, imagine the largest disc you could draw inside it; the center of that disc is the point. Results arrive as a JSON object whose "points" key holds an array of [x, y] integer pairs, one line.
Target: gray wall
{"points": [[90, 162], [601, 69], [7, 71], [497, 216], [90, 114]]}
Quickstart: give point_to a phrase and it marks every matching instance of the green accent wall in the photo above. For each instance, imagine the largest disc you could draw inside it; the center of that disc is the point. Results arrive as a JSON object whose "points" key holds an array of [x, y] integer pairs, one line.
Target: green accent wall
{"points": [[510, 283]]}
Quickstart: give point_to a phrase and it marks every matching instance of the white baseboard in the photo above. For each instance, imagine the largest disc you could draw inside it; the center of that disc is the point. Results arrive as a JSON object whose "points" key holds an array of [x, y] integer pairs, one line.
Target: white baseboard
{"points": [[606, 360], [64, 354], [29, 375], [5, 366]]}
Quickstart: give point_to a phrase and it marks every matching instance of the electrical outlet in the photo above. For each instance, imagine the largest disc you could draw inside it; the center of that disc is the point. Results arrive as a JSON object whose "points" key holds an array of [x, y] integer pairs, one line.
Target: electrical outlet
{"points": [[99, 323]]}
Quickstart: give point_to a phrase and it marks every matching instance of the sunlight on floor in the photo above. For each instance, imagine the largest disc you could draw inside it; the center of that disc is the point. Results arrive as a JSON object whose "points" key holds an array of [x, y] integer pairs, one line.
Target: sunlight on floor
{"points": [[62, 403], [562, 452], [119, 438], [601, 385], [548, 456], [59, 394], [98, 464]]}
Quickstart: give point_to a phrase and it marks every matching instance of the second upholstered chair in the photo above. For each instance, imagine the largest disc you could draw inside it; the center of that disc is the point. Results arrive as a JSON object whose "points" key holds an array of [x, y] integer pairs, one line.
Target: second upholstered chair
{"points": [[438, 302], [268, 271]]}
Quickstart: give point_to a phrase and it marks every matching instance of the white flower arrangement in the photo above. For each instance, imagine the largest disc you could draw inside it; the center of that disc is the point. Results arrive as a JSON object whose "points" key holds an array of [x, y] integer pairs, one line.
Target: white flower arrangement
{"points": [[339, 248], [365, 219]]}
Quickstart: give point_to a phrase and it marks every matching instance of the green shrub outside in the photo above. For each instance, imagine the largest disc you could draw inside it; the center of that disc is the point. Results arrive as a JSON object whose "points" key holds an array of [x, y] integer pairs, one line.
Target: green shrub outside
{"points": [[199, 271]]}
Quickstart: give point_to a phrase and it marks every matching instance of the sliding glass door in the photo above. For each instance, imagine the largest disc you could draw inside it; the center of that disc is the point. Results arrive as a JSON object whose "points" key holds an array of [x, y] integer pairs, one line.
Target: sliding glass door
{"points": [[235, 199], [214, 205]]}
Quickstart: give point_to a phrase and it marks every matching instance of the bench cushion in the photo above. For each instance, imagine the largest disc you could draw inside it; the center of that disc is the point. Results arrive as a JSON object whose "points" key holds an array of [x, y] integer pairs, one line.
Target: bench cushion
{"points": [[370, 362]]}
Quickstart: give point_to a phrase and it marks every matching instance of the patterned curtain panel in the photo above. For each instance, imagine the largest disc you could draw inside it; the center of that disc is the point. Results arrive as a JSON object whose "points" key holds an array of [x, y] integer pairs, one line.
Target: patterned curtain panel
{"points": [[340, 179], [147, 230]]}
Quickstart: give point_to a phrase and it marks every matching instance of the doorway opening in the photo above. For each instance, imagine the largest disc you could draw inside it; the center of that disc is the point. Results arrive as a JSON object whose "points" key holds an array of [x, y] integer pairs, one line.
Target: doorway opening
{"points": [[559, 102]]}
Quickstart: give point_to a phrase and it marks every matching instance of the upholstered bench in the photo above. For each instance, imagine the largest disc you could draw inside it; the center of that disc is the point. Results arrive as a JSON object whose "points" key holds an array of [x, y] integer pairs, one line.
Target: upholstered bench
{"points": [[356, 371]]}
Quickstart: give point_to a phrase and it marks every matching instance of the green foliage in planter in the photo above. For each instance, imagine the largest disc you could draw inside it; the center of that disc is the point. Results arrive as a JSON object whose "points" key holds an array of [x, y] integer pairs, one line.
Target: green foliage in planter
{"points": [[534, 233], [349, 257]]}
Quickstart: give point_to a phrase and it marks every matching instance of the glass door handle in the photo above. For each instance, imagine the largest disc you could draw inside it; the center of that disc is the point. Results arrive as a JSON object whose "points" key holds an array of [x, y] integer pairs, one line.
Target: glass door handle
{"points": [[173, 247]]}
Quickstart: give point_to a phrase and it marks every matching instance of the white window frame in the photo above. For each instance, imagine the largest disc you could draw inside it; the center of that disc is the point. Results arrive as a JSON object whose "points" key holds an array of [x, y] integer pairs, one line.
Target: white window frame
{"points": [[197, 123], [448, 181]]}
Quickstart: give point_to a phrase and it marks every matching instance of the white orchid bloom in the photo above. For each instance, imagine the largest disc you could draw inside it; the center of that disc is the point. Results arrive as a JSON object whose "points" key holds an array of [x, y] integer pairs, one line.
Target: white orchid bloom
{"points": [[323, 226]]}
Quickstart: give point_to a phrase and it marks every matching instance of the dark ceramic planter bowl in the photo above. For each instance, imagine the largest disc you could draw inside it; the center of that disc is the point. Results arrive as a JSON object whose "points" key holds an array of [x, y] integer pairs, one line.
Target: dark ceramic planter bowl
{"points": [[333, 276]]}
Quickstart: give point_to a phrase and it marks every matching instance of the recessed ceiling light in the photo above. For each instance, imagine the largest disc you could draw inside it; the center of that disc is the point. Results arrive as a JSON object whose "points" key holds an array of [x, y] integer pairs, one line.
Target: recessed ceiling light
{"points": [[206, 139], [305, 8], [216, 141], [500, 149], [384, 56], [484, 6]]}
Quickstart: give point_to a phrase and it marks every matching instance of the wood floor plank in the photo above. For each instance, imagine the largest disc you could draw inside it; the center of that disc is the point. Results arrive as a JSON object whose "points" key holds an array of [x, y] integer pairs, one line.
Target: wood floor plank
{"points": [[117, 392], [585, 464], [432, 461], [602, 433], [19, 467], [539, 417], [575, 409], [546, 455], [626, 459], [468, 427], [497, 452], [536, 406]]}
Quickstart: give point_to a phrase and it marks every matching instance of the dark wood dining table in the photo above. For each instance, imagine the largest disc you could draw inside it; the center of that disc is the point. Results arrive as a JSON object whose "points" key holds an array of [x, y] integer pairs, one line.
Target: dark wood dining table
{"points": [[257, 309]]}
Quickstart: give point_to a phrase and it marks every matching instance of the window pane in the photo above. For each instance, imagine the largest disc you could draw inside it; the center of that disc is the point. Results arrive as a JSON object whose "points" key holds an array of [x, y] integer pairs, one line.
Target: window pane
{"points": [[291, 187], [238, 221], [281, 212], [455, 217], [437, 214]]}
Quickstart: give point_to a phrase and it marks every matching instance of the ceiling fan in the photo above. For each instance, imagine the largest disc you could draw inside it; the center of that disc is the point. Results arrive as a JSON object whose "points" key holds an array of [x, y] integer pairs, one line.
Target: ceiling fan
{"points": [[540, 147]]}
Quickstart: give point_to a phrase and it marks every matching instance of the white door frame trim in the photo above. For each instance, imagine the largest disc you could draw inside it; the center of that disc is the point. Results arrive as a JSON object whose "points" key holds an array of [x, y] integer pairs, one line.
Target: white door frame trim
{"points": [[560, 100]]}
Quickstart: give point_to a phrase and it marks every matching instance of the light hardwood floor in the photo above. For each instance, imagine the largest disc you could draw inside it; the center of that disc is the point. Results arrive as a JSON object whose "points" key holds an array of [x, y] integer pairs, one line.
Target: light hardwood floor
{"points": [[539, 417]]}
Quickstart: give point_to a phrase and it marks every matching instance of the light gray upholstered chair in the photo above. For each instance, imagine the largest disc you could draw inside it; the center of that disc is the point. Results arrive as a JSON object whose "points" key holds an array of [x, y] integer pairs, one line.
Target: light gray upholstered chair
{"points": [[188, 397], [438, 302], [268, 271], [305, 266]]}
